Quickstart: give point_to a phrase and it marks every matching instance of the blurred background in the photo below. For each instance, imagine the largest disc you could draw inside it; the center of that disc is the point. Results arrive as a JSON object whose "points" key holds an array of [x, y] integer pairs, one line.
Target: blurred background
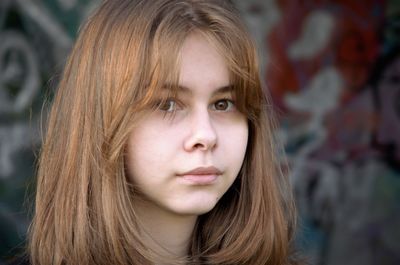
{"points": [[333, 69]]}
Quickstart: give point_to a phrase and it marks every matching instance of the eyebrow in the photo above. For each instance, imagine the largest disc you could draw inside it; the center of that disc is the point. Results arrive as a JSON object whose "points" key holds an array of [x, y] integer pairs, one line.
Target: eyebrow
{"points": [[221, 90]]}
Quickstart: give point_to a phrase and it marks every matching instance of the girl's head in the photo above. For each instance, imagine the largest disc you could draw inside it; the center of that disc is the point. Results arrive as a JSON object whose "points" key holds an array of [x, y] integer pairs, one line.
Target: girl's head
{"points": [[161, 104], [185, 152]]}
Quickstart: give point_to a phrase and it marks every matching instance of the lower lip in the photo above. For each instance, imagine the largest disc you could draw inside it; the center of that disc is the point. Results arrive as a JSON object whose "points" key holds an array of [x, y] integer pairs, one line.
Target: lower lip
{"points": [[200, 179]]}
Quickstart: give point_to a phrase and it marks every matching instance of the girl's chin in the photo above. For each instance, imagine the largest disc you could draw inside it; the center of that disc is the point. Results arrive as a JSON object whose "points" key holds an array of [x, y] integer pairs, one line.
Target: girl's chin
{"points": [[195, 208]]}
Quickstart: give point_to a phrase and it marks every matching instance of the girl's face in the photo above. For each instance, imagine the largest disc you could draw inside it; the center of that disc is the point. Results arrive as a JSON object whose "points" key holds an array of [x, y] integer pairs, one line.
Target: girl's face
{"points": [[185, 155]]}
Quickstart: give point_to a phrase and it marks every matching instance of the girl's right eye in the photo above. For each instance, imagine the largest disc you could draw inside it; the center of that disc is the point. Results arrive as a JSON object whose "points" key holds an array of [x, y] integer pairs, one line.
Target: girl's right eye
{"points": [[169, 105]]}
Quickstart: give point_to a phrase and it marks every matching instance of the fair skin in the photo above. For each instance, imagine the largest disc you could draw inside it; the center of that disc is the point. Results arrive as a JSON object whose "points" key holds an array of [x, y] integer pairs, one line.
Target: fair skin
{"points": [[184, 156]]}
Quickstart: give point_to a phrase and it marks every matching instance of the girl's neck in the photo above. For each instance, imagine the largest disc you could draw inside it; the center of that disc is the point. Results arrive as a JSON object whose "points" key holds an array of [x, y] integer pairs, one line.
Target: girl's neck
{"points": [[166, 233]]}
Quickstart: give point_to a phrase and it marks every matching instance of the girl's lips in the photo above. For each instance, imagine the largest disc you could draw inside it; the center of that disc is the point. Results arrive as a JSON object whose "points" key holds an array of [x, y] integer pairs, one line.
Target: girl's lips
{"points": [[211, 170], [201, 175], [200, 179]]}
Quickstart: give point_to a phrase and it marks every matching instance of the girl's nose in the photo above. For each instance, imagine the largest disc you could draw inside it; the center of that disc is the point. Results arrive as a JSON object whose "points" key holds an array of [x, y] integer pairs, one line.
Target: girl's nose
{"points": [[202, 135]]}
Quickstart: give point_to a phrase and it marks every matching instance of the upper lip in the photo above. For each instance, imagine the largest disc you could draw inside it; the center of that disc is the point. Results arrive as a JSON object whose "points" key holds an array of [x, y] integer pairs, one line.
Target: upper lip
{"points": [[203, 171]]}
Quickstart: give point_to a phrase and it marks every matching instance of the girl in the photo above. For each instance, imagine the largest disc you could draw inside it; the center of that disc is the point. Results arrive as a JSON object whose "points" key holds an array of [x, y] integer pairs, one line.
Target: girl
{"points": [[159, 145]]}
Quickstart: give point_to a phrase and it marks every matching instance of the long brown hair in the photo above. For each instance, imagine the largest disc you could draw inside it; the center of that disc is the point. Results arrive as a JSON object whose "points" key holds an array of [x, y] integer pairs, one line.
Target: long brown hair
{"points": [[125, 53]]}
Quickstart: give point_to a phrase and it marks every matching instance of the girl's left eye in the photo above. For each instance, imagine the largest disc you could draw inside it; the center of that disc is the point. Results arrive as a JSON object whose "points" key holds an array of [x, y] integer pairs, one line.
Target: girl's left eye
{"points": [[223, 105]]}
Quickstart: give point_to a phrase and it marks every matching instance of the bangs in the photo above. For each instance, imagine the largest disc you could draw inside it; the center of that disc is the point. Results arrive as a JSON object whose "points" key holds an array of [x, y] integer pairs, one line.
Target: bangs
{"points": [[163, 72], [240, 59], [167, 33]]}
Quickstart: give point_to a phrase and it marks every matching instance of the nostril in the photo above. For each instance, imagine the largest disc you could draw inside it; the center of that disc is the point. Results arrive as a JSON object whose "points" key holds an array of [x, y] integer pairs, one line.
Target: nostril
{"points": [[197, 146], [204, 145]]}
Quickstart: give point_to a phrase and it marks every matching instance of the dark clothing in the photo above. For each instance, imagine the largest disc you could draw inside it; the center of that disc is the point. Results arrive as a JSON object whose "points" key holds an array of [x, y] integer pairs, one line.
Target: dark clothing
{"points": [[24, 260]]}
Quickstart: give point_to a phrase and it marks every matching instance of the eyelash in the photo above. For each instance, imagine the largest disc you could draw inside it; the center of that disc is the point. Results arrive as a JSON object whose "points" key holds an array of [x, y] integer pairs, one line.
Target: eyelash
{"points": [[231, 104], [167, 102], [166, 106]]}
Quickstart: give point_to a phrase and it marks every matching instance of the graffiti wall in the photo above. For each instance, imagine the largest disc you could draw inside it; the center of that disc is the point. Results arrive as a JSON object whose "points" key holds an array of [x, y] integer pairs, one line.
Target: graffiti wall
{"points": [[333, 70], [35, 37]]}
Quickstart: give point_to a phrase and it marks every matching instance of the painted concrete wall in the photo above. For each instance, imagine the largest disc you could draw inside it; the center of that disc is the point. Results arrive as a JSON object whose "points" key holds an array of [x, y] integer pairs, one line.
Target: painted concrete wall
{"points": [[333, 70]]}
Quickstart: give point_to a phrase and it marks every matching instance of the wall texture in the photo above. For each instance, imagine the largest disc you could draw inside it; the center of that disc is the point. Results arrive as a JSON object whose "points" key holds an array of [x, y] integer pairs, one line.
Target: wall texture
{"points": [[333, 69], [35, 37]]}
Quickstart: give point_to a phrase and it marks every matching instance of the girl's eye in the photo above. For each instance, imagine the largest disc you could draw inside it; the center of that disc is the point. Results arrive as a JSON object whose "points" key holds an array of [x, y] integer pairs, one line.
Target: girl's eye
{"points": [[223, 105], [169, 105]]}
